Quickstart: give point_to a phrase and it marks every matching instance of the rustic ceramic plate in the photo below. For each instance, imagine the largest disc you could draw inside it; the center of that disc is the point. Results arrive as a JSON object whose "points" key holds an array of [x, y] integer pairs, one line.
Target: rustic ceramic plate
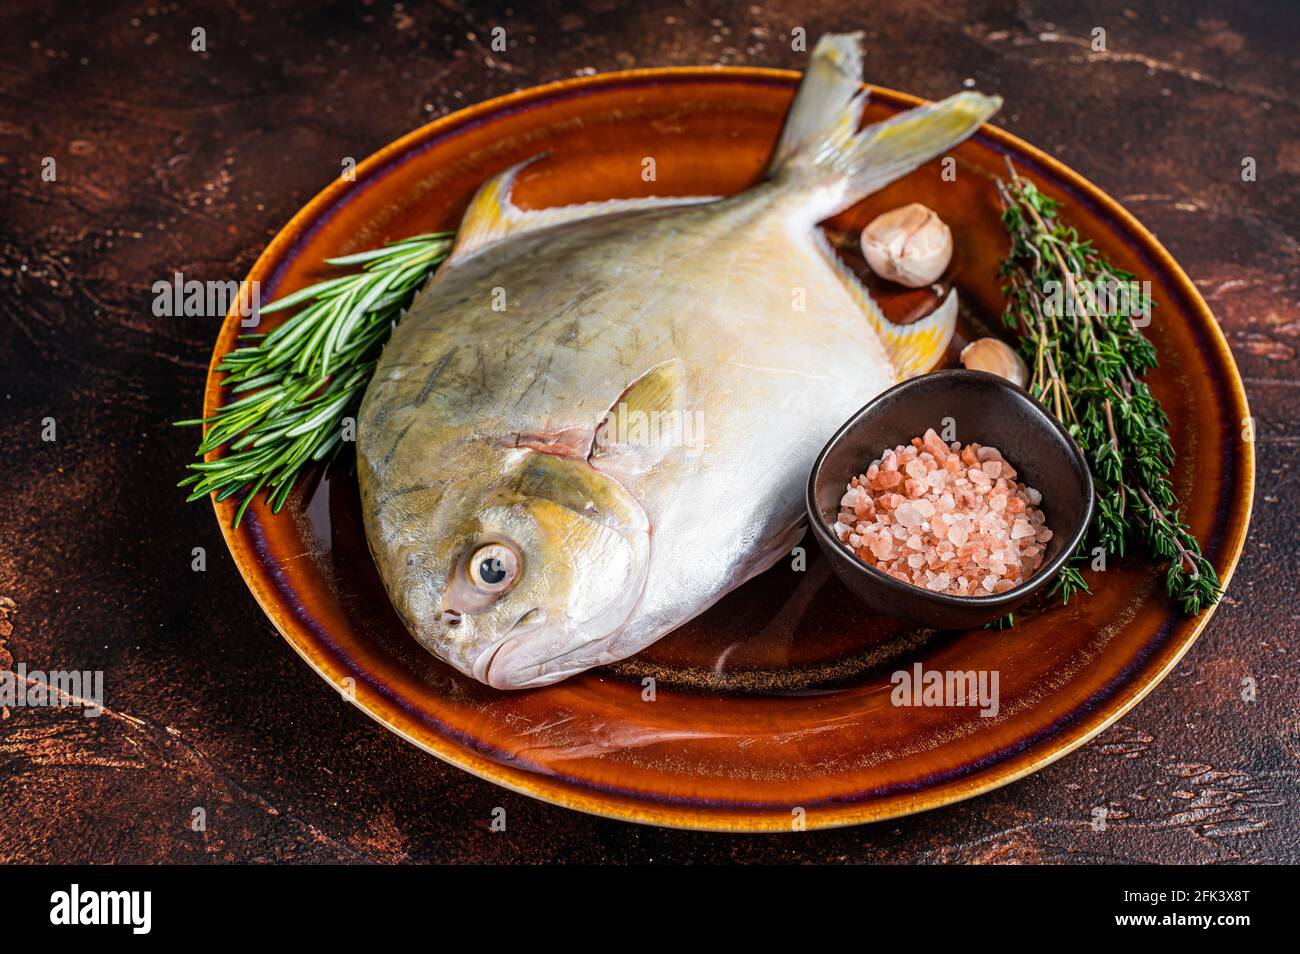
{"points": [[773, 707]]}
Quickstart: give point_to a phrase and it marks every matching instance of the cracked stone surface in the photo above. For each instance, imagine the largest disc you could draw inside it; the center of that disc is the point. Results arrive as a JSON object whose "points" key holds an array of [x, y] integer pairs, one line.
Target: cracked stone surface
{"points": [[170, 160]]}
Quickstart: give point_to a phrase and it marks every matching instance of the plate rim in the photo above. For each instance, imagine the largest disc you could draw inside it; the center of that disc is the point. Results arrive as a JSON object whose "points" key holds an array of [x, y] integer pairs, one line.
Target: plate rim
{"points": [[625, 808]]}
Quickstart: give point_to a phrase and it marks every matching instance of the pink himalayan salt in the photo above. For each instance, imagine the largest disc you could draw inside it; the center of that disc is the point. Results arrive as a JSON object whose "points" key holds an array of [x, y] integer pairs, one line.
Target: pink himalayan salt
{"points": [[949, 518]]}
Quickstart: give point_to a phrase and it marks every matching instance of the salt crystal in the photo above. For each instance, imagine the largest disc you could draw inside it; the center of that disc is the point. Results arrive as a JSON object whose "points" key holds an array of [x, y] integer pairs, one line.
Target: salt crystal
{"points": [[908, 515], [950, 518], [886, 479]]}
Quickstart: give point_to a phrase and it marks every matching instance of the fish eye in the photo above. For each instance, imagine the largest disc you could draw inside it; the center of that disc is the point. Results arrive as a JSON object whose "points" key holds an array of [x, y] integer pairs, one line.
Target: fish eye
{"points": [[493, 568]]}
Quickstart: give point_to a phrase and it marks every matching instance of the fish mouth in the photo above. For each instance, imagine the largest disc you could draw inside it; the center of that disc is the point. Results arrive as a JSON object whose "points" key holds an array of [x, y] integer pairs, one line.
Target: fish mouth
{"points": [[492, 665], [507, 663]]}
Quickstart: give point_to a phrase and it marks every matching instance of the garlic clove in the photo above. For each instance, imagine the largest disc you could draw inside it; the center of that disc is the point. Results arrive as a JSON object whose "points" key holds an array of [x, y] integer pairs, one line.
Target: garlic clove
{"points": [[996, 357], [910, 245]]}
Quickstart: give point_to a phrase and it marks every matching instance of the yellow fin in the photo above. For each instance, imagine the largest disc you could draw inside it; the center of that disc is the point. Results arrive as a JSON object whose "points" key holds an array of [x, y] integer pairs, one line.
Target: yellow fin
{"points": [[492, 216], [823, 155], [648, 416], [916, 348], [912, 349]]}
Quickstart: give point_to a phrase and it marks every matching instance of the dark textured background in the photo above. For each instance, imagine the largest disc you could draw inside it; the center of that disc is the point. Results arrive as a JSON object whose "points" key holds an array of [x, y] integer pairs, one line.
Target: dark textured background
{"points": [[169, 160]]}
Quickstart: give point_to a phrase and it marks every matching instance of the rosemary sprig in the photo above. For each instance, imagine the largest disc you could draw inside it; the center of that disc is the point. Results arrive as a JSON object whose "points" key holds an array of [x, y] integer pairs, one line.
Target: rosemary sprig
{"points": [[290, 390], [1086, 364]]}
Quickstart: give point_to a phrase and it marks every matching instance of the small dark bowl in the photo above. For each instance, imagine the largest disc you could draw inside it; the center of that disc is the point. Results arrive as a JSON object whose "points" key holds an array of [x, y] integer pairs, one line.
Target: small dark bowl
{"points": [[987, 410]]}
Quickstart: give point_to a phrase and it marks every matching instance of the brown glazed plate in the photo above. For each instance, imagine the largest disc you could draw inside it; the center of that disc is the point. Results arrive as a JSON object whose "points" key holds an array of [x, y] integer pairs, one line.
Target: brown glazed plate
{"points": [[772, 710]]}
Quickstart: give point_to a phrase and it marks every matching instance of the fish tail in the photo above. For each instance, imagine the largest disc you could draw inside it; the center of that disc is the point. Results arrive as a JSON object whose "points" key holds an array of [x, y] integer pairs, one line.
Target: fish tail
{"points": [[821, 149]]}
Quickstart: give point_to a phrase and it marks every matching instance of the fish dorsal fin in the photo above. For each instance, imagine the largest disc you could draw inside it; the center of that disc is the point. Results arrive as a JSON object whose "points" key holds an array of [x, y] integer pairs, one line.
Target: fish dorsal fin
{"points": [[648, 419], [492, 215], [913, 348]]}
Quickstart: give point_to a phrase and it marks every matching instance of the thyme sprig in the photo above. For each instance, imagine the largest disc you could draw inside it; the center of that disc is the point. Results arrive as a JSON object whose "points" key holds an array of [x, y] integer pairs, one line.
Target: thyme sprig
{"points": [[1086, 361], [291, 390]]}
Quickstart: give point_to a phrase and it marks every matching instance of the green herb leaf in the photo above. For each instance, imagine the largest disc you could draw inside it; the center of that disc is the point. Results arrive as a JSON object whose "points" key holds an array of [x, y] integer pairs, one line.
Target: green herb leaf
{"points": [[1086, 363], [292, 388]]}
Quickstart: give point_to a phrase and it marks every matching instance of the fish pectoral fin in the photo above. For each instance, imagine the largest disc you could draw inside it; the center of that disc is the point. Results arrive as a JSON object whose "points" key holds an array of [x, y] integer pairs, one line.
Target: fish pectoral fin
{"points": [[648, 418], [492, 215], [913, 348]]}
